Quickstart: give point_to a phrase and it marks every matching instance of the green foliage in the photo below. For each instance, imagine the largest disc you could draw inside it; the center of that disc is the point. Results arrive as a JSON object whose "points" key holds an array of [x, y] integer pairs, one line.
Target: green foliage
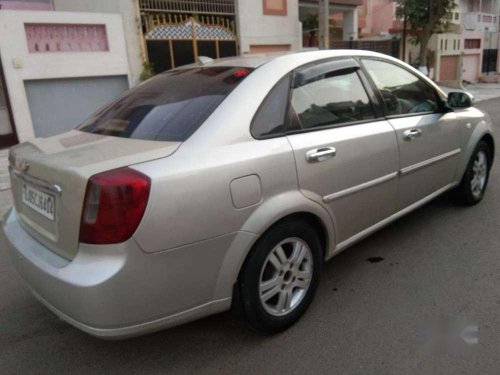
{"points": [[310, 22], [422, 14], [148, 71], [425, 17]]}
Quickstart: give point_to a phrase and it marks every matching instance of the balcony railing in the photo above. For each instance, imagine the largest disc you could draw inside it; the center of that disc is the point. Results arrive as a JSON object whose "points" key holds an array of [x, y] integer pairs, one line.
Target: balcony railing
{"points": [[219, 7], [480, 21]]}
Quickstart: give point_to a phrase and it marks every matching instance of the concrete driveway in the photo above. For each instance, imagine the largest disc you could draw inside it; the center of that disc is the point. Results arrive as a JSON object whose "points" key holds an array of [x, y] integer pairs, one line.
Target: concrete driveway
{"points": [[441, 260]]}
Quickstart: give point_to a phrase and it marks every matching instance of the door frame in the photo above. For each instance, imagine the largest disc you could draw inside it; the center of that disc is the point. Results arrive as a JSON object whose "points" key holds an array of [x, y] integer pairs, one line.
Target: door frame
{"points": [[7, 140]]}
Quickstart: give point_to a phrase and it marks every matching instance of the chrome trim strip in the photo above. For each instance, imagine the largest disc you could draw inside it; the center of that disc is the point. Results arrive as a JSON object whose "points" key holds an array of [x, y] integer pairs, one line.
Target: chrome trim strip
{"points": [[426, 163], [358, 188], [51, 188], [368, 231]]}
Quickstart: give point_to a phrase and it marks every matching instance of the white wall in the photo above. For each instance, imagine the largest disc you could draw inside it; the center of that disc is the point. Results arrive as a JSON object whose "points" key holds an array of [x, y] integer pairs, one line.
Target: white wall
{"points": [[255, 28], [129, 9], [19, 65]]}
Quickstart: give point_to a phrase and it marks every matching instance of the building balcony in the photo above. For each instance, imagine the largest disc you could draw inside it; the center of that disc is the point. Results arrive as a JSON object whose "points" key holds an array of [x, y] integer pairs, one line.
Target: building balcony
{"points": [[479, 21], [219, 7]]}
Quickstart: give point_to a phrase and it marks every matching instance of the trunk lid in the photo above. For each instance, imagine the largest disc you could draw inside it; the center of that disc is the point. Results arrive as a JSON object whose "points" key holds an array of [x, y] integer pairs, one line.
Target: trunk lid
{"points": [[51, 174]]}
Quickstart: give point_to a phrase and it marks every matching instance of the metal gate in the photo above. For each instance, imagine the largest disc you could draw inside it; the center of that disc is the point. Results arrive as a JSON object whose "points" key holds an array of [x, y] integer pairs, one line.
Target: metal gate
{"points": [[489, 60], [175, 40]]}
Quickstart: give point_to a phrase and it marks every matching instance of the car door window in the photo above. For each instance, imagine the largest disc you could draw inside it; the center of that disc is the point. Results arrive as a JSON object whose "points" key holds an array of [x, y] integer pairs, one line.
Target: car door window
{"points": [[403, 92], [334, 98]]}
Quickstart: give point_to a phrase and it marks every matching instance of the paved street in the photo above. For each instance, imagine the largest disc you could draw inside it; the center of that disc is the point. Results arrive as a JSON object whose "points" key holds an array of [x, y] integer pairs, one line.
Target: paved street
{"points": [[441, 260]]}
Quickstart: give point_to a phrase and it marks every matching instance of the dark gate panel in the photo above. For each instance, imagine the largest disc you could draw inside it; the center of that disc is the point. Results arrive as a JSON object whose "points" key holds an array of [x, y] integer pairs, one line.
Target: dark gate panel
{"points": [[159, 55], [183, 52], [207, 48], [490, 57], [227, 49]]}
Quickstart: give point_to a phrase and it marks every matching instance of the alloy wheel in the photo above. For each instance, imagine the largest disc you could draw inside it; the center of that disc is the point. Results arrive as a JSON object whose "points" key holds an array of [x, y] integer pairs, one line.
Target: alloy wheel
{"points": [[479, 174], [286, 276]]}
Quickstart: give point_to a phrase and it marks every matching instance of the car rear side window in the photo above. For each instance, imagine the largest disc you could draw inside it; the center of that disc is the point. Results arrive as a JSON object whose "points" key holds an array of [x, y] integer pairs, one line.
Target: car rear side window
{"points": [[270, 118], [169, 107], [334, 98]]}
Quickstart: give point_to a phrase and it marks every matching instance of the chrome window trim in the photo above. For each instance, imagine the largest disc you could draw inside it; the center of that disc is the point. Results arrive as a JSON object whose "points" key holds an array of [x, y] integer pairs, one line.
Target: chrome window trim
{"points": [[328, 127]]}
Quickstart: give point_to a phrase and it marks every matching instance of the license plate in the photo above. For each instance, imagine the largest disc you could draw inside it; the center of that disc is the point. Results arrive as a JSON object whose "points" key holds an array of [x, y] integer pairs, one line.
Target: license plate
{"points": [[43, 203]]}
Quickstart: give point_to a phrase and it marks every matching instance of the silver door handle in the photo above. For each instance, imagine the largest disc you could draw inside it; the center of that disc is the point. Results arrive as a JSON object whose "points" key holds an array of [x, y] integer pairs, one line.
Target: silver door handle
{"points": [[412, 134], [320, 154]]}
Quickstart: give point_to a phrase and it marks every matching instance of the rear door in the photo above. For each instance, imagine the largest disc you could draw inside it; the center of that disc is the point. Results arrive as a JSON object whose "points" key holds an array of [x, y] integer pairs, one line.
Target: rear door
{"points": [[346, 153], [428, 136]]}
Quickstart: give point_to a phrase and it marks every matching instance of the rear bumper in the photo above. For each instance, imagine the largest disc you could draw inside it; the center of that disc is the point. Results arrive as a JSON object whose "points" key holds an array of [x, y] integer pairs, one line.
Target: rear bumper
{"points": [[119, 291]]}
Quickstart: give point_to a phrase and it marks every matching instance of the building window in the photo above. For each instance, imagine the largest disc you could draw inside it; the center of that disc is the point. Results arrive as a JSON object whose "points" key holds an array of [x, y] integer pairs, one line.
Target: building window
{"points": [[457, 16], [454, 44], [446, 44], [275, 7], [472, 43], [43, 37]]}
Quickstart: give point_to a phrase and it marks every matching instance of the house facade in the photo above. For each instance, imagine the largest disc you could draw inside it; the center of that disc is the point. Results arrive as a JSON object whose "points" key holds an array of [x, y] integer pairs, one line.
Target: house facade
{"points": [[468, 51], [49, 62], [53, 52], [170, 33], [346, 20]]}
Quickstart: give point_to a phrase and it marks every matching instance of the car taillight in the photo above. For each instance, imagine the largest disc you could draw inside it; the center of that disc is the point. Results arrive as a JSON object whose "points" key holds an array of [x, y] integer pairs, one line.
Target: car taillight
{"points": [[114, 204]]}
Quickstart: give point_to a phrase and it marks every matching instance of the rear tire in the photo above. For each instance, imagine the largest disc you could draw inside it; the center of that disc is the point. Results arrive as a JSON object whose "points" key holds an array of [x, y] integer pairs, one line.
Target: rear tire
{"points": [[280, 276], [475, 180]]}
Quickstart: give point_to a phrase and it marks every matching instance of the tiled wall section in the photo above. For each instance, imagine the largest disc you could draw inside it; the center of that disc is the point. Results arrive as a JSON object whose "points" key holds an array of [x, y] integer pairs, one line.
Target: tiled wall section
{"points": [[66, 38]]}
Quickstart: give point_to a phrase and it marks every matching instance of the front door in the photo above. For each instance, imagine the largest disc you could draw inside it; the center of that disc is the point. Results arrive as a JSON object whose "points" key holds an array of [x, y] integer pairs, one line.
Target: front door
{"points": [[428, 137], [347, 157]]}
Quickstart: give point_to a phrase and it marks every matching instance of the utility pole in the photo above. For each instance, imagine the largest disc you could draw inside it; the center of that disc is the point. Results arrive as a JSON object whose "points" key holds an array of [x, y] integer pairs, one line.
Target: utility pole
{"points": [[405, 20], [324, 24]]}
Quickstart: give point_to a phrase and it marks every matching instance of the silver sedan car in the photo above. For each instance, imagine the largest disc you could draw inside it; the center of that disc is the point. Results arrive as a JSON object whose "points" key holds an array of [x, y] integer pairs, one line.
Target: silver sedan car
{"points": [[226, 184]]}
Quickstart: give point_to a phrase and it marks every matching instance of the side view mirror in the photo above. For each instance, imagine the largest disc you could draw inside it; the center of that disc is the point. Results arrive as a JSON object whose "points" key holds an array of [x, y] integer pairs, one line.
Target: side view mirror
{"points": [[460, 99]]}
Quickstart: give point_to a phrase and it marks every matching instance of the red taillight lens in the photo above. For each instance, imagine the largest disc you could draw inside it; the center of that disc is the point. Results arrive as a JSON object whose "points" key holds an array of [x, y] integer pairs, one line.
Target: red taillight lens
{"points": [[114, 204]]}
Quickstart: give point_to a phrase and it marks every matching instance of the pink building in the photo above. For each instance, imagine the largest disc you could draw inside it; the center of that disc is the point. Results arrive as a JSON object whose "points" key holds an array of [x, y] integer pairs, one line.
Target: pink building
{"points": [[379, 17]]}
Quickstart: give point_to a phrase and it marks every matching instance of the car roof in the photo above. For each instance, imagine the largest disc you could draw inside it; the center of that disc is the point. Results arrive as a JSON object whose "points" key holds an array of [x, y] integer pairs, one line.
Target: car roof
{"points": [[256, 60], [292, 60]]}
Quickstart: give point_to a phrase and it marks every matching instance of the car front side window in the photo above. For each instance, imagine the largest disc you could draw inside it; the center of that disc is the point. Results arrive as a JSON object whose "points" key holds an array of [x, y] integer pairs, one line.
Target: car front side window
{"points": [[403, 92], [333, 98]]}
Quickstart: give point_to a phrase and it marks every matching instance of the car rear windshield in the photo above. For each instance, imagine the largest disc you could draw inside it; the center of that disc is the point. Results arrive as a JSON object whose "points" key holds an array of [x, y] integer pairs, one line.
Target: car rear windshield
{"points": [[169, 107]]}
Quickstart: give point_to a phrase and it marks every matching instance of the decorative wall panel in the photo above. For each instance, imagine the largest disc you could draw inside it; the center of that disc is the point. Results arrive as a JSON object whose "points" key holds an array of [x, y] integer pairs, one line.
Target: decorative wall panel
{"points": [[66, 38]]}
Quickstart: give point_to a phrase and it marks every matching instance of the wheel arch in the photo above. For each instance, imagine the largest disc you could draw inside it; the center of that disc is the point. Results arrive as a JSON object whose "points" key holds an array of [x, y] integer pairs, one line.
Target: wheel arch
{"points": [[488, 138], [482, 131], [292, 205]]}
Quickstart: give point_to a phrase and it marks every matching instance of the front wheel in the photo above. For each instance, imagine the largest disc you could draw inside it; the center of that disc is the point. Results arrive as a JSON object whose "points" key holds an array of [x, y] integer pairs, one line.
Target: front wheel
{"points": [[280, 276], [475, 180]]}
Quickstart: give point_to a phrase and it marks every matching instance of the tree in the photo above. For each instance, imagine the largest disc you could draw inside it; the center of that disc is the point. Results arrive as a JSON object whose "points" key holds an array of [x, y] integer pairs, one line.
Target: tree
{"points": [[425, 18]]}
